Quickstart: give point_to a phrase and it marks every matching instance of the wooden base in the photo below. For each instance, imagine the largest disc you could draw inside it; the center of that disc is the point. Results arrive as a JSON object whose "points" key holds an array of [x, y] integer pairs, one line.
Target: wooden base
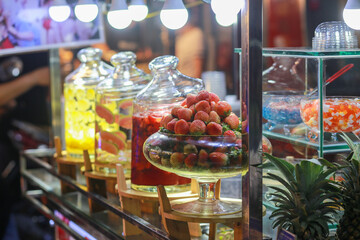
{"points": [[138, 202], [66, 166], [176, 223], [98, 182]]}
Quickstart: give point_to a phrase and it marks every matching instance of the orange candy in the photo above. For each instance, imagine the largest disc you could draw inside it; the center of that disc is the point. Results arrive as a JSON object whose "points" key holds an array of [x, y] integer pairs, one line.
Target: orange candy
{"points": [[339, 114]]}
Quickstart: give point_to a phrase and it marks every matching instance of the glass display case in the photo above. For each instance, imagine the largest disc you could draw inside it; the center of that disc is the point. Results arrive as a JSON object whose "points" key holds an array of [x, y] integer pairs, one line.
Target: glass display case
{"points": [[309, 97]]}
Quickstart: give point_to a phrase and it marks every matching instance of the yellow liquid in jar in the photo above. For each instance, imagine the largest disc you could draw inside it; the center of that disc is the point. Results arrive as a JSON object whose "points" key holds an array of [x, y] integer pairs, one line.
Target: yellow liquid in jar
{"points": [[79, 120]]}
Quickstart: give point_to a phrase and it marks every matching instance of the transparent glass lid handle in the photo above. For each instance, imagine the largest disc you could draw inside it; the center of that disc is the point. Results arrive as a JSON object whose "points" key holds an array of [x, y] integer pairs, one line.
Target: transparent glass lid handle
{"points": [[163, 62], [123, 58], [89, 54]]}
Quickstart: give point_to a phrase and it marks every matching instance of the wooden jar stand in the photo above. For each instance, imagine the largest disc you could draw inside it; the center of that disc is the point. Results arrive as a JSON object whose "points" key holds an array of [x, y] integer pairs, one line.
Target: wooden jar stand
{"points": [[66, 166], [97, 182], [176, 225], [135, 202]]}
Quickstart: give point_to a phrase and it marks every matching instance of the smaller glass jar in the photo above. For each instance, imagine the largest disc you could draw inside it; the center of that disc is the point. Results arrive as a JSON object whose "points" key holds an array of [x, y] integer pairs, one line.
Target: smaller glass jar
{"points": [[114, 109], [79, 101], [167, 88]]}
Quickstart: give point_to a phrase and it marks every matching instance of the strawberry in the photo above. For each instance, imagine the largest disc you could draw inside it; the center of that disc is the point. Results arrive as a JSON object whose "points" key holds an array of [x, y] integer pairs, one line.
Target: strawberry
{"points": [[165, 120], [192, 108], [230, 136], [154, 155], [191, 160], [239, 142], [203, 158], [222, 149], [232, 120], [190, 148], [175, 110], [171, 125], [223, 109], [203, 116], [218, 159], [181, 127], [177, 159], [214, 129], [184, 113], [214, 117], [197, 127], [203, 106], [190, 99], [213, 106], [203, 95], [165, 161], [214, 98]]}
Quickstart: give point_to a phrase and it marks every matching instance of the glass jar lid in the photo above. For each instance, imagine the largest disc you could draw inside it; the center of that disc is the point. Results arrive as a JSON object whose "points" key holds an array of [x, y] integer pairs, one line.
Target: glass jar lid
{"points": [[89, 54]]}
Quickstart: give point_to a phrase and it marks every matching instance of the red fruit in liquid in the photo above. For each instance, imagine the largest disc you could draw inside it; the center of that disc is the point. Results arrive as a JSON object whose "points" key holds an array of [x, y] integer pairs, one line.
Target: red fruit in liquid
{"points": [[142, 171]]}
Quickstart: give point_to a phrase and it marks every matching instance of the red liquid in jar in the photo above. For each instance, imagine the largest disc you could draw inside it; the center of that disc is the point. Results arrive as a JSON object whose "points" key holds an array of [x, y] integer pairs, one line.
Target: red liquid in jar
{"points": [[142, 171]]}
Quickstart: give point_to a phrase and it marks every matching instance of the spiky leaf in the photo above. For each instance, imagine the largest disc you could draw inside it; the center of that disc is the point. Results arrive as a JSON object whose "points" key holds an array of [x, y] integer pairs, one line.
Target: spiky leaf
{"points": [[307, 200]]}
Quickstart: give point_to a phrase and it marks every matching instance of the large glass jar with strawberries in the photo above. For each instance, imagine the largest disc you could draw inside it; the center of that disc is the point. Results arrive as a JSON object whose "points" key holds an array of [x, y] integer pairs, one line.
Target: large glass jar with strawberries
{"points": [[79, 101], [114, 109], [167, 88]]}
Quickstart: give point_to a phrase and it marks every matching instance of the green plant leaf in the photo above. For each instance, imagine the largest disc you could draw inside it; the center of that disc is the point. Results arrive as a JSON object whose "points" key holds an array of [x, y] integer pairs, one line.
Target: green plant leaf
{"points": [[287, 169]]}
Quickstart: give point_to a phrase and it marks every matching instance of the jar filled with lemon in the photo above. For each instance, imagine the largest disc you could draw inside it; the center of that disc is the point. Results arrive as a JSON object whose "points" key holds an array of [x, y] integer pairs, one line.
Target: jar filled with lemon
{"points": [[79, 102]]}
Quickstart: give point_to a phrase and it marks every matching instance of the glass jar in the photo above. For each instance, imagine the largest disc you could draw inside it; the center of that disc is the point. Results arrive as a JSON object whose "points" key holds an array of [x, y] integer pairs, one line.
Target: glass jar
{"points": [[283, 75], [79, 101], [167, 88], [114, 108]]}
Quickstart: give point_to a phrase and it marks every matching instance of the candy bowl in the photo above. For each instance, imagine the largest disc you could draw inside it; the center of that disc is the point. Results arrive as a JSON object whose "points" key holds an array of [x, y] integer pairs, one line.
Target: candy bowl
{"points": [[282, 108], [205, 158], [340, 114]]}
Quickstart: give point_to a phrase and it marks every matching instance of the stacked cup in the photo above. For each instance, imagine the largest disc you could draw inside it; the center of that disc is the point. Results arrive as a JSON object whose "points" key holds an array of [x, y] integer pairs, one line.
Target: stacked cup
{"points": [[334, 35]]}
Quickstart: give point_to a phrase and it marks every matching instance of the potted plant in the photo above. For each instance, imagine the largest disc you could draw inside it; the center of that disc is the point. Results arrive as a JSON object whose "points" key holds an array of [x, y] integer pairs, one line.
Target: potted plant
{"points": [[307, 199], [349, 224]]}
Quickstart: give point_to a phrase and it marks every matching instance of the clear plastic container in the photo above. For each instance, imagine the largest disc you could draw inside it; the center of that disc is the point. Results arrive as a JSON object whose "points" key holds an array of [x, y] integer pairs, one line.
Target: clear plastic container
{"points": [[114, 108], [167, 88], [334, 35], [79, 95]]}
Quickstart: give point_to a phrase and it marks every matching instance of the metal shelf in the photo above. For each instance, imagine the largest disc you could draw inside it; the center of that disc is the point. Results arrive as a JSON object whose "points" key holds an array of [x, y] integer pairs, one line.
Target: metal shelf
{"points": [[106, 224]]}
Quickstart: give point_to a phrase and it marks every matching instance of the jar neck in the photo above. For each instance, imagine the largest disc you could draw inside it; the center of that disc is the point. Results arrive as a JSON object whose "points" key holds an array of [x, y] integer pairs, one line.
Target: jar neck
{"points": [[123, 71], [91, 64], [164, 74]]}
